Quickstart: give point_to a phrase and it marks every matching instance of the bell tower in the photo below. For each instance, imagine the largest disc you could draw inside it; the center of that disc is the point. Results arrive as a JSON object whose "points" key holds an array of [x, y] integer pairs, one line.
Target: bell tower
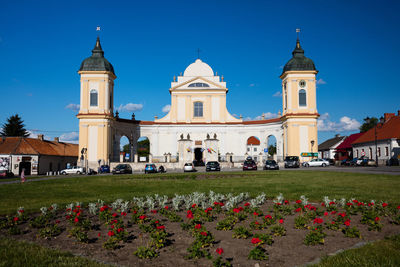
{"points": [[96, 108], [299, 116]]}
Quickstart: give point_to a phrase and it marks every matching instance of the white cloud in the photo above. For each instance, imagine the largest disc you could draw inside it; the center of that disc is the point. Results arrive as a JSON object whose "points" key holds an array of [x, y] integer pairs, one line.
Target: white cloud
{"points": [[166, 108], [72, 137], [252, 84], [320, 81], [130, 107], [345, 124], [73, 107], [277, 94]]}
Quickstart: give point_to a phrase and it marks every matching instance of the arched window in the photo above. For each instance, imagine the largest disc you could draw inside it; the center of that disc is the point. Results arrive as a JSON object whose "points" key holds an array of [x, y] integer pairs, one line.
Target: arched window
{"points": [[198, 109], [198, 85], [302, 98], [93, 98]]}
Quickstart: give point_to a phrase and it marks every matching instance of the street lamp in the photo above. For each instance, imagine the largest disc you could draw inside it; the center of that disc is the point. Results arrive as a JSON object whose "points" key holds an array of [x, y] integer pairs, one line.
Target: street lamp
{"points": [[381, 121], [312, 144]]}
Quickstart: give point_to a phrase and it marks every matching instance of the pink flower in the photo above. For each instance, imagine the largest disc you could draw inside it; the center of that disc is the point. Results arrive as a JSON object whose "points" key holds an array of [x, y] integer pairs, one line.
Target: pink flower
{"points": [[219, 251]]}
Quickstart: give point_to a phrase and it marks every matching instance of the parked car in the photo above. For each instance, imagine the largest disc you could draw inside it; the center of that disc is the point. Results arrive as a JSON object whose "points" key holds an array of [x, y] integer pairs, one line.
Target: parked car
{"points": [[213, 166], [161, 169], [353, 162], [150, 168], [91, 172], [6, 173], [317, 163], [292, 162], [345, 162], [362, 161], [104, 169], [271, 165], [371, 162], [331, 161], [189, 167], [392, 162], [73, 170], [249, 165], [122, 169], [198, 163]]}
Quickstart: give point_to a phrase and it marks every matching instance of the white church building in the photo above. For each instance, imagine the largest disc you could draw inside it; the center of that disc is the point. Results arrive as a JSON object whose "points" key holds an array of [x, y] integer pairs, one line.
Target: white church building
{"points": [[198, 125]]}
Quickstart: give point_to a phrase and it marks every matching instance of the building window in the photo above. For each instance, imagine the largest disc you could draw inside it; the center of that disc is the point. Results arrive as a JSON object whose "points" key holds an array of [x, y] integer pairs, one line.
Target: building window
{"points": [[302, 98], [93, 98], [379, 151], [386, 151], [356, 153], [198, 85], [248, 149], [255, 149], [370, 153], [198, 109]]}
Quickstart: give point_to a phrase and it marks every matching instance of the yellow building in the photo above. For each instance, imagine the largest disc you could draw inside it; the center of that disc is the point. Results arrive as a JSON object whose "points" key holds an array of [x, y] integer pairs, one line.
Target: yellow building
{"points": [[198, 125]]}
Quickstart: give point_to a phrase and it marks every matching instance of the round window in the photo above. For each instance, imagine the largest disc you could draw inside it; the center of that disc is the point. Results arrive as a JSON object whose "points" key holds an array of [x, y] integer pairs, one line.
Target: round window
{"points": [[302, 83]]}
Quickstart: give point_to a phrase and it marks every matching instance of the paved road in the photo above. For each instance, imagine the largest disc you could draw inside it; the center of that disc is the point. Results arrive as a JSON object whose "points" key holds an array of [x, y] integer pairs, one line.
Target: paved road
{"points": [[394, 170]]}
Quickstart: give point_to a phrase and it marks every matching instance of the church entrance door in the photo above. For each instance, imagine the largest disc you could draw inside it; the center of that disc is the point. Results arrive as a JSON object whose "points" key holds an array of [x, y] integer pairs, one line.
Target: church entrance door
{"points": [[198, 157]]}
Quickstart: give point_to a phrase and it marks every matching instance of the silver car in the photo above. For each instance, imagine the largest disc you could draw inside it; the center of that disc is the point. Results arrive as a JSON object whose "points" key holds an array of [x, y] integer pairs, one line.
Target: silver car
{"points": [[316, 163]]}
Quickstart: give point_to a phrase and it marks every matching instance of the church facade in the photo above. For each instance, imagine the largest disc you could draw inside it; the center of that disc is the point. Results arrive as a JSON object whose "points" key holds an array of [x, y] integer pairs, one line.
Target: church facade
{"points": [[198, 125]]}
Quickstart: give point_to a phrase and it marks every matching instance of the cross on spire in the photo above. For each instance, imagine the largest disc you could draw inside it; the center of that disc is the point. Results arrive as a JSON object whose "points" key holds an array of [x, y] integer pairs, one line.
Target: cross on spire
{"points": [[298, 33]]}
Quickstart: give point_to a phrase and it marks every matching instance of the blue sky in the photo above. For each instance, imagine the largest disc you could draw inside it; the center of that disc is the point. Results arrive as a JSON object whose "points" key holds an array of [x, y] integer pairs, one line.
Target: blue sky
{"points": [[354, 44]]}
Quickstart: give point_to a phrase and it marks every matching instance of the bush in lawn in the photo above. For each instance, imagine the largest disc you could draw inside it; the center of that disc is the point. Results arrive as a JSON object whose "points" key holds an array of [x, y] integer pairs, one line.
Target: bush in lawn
{"points": [[278, 230], [301, 222], [351, 232], [241, 232], [227, 224], [257, 253], [146, 252], [50, 231], [371, 218], [196, 251], [219, 262], [315, 237], [265, 238]]}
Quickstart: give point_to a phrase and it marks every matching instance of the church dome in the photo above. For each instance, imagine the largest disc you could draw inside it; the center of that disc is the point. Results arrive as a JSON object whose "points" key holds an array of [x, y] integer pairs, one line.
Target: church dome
{"points": [[198, 68], [97, 62], [299, 61]]}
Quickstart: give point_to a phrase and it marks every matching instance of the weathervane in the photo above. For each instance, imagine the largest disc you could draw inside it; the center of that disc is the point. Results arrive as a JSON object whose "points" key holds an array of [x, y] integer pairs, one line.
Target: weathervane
{"points": [[298, 32], [98, 30]]}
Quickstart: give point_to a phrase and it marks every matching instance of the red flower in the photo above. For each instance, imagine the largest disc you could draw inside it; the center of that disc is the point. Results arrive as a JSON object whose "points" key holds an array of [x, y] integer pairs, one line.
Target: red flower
{"points": [[221, 204], [298, 210], [153, 211], [114, 221], [331, 203], [78, 207], [398, 207], [281, 221], [68, 217], [377, 219], [161, 227], [76, 220], [166, 207], [135, 211], [123, 213], [278, 204], [318, 220], [326, 213], [219, 251], [189, 214], [99, 234], [255, 240], [197, 226], [142, 217], [21, 211], [384, 204], [78, 214], [119, 230], [347, 222], [112, 226], [333, 222], [286, 202], [236, 210], [114, 215], [246, 204], [156, 222], [370, 204], [204, 233], [194, 206], [355, 200], [360, 204], [110, 233], [298, 201], [312, 208], [323, 204], [268, 217], [68, 209], [342, 214], [57, 221], [16, 219], [333, 212], [255, 213], [240, 208], [349, 204], [257, 223], [216, 203]]}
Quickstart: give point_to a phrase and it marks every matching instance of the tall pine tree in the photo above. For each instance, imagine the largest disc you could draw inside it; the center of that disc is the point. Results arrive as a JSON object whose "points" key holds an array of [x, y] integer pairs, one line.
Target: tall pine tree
{"points": [[14, 127]]}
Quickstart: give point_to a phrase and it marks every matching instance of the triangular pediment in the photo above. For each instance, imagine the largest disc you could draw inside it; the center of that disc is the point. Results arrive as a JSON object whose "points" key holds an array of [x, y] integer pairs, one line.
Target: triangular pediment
{"points": [[184, 85]]}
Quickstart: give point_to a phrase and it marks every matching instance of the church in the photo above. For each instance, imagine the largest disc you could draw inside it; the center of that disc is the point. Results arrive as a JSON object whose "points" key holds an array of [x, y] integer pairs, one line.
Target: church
{"points": [[198, 125]]}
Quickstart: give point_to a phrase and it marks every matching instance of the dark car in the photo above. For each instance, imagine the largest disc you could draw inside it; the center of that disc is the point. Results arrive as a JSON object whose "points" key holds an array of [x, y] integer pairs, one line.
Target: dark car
{"points": [[122, 169], [213, 166], [249, 165], [271, 165], [292, 162], [104, 169], [198, 163]]}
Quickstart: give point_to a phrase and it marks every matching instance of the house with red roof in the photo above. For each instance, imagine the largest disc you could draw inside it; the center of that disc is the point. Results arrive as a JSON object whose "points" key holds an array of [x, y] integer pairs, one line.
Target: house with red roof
{"points": [[382, 140], [36, 155], [345, 150]]}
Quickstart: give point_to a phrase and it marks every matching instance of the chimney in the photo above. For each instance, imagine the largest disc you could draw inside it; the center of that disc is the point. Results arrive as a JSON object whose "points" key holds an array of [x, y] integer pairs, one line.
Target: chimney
{"points": [[387, 116], [40, 137], [337, 135], [57, 139]]}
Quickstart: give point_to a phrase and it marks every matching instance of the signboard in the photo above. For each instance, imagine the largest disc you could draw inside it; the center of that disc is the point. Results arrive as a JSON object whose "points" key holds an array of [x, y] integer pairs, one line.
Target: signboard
{"points": [[265, 150], [198, 143], [363, 153], [126, 156], [142, 159], [309, 154]]}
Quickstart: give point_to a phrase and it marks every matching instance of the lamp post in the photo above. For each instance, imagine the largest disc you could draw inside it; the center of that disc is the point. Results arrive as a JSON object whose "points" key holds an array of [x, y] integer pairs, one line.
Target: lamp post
{"points": [[312, 144], [381, 121]]}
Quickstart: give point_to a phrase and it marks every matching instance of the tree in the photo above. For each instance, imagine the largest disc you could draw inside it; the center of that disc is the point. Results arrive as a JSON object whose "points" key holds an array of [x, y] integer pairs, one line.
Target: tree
{"points": [[272, 150], [368, 125], [14, 127], [126, 148]]}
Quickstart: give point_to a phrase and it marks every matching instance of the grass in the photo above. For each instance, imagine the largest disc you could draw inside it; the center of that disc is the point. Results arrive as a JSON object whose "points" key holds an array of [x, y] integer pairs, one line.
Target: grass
{"points": [[16, 178], [313, 184], [381, 253], [20, 253]]}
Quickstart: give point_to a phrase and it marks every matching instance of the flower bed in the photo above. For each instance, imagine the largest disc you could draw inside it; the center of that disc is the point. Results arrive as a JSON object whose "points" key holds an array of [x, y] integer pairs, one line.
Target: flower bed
{"points": [[206, 229]]}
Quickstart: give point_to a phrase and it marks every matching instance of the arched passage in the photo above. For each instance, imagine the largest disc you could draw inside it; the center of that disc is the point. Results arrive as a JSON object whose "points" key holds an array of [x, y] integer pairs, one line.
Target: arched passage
{"points": [[125, 148], [143, 149], [253, 147], [271, 146]]}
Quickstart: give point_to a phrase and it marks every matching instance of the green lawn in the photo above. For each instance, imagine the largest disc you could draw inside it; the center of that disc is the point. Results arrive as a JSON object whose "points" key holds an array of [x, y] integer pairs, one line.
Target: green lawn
{"points": [[17, 253], [314, 184], [381, 253]]}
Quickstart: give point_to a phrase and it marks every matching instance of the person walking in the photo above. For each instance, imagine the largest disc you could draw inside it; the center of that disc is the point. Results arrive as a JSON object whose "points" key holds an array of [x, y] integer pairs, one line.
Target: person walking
{"points": [[23, 175]]}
